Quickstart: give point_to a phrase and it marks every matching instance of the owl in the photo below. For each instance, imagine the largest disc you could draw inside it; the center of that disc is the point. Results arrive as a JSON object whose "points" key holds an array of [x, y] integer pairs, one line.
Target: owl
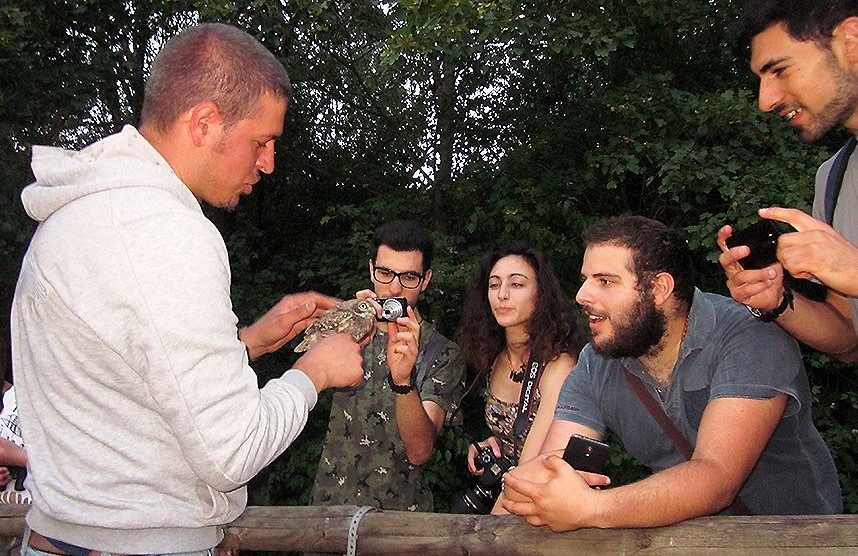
{"points": [[355, 317]]}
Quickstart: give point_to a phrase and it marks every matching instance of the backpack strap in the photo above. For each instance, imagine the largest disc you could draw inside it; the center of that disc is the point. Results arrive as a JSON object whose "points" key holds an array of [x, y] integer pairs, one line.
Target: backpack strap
{"points": [[738, 506], [835, 179], [433, 349]]}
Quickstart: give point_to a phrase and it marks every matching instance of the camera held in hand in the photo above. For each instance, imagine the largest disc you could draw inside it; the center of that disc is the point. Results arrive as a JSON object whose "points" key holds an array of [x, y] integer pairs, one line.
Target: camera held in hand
{"points": [[392, 308], [480, 498], [762, 239]]}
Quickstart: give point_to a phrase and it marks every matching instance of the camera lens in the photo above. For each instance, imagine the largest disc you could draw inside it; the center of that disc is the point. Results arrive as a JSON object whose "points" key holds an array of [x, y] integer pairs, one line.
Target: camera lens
{"points": [[481, 497], [391, 310]]}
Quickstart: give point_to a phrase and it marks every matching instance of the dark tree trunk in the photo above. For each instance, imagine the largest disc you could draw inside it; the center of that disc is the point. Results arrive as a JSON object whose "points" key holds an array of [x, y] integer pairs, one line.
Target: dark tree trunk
{"points": [[446, 121]]}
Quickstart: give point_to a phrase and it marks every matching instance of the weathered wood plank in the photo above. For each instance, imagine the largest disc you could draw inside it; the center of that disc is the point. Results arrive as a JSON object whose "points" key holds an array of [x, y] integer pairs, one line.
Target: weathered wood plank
{"points": [[324, 529], [408, 533]]}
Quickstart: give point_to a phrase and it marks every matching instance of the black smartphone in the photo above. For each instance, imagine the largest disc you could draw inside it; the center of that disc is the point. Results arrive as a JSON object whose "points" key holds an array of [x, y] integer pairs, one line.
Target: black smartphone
{"points": [[762, 238], [586, 454]]}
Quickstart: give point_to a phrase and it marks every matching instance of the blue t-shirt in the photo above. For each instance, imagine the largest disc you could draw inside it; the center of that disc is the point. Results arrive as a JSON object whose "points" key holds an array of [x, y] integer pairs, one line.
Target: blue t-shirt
{"points": [[726, 354]]}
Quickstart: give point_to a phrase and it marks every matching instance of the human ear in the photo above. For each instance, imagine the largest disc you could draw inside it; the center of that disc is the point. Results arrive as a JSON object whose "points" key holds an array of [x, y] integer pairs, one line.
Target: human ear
{"points": [[662, 287], [846, 37], [204, 121], [426, 277]]}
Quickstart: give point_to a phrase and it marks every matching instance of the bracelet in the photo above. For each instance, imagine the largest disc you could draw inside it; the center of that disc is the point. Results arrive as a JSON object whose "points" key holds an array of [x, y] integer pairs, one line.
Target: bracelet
{"points": [[769, 316], [398, 388]]}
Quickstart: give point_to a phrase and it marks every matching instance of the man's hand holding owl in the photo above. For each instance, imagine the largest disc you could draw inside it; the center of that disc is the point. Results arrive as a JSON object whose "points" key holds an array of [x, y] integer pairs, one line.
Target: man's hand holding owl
{"points": [[289, 316]]}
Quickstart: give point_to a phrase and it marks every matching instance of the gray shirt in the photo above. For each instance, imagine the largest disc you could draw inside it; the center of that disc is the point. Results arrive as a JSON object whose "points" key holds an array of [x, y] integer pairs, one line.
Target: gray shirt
{"points": [[726, 354], [846, 214]]}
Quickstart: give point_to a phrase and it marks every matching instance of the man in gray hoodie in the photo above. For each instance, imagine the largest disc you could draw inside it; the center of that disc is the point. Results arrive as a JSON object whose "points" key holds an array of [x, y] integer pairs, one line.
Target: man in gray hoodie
{"points": [[141, 415]]}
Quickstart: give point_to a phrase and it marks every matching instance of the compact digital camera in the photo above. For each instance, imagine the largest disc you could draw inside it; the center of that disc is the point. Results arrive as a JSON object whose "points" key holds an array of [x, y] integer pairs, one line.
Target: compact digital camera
{"points": [[480, 498], [392, 308]]}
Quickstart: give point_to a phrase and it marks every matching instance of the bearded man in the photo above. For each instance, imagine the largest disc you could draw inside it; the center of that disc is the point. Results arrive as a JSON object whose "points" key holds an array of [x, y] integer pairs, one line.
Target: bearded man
{"points": [[734, 387]]}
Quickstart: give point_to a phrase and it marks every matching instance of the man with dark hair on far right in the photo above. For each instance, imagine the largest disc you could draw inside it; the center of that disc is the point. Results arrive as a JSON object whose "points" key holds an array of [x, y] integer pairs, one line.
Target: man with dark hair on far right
{"points": [[714, 401], [805, 53]]}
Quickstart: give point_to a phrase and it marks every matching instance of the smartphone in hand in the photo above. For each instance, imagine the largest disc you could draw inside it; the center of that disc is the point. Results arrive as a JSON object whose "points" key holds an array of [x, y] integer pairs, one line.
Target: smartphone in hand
{"points": [[586, 454]]}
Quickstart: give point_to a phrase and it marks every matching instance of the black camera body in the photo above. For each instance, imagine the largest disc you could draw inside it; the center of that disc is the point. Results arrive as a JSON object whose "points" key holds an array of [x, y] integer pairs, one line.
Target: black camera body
{"points": [[762, 239], [392, 308], [480, 498]]}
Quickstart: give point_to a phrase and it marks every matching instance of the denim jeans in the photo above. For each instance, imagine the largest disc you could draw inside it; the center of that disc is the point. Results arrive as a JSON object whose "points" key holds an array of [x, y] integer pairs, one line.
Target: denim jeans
{"points": [[28, 551]]}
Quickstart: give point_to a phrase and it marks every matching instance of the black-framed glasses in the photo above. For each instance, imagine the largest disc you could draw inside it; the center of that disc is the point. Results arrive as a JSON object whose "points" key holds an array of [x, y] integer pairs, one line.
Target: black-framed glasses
{"points": [[409, 279]]}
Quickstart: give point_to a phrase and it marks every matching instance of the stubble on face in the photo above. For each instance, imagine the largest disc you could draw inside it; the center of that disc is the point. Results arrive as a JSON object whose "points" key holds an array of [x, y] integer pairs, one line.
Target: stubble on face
{"points": [[636, 333], [840, 108]]}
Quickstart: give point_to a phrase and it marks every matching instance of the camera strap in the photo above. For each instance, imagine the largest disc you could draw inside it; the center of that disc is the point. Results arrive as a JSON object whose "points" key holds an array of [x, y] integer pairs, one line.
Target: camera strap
{"points": [[835, 179], [738, 506], [433, 349], [528, 394]]}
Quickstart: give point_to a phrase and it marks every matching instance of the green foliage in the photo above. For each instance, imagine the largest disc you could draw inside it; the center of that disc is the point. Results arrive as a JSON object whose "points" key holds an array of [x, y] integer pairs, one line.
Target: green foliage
{"points": [[563, 112], [835, 401]]}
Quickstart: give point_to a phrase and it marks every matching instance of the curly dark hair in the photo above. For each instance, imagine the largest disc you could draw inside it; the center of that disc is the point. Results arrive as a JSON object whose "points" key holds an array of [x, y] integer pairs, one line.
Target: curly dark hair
{"points": [[552, 326], [655, 248], [813, 20]]}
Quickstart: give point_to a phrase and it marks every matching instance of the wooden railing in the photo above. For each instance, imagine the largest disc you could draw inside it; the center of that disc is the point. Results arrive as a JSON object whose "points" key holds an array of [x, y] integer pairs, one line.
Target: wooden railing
{"points": [[324, 529]]}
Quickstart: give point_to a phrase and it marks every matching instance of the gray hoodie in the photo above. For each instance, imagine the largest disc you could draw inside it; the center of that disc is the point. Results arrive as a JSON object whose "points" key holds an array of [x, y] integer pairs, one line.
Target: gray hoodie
{"points": [[141, 416]]}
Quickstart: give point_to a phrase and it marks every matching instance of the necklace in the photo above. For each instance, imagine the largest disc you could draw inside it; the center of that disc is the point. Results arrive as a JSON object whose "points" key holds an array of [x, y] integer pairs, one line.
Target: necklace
{"points": [[684, 331], [515, 375], [666, 380]]}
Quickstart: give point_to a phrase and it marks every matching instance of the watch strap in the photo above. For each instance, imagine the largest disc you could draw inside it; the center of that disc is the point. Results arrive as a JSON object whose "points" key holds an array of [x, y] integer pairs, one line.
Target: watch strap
{"points": [[769, 316]]}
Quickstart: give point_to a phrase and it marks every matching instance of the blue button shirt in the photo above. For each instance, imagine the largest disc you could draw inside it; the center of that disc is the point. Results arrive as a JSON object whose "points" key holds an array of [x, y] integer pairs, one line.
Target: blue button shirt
{"points": [[726, 353]]}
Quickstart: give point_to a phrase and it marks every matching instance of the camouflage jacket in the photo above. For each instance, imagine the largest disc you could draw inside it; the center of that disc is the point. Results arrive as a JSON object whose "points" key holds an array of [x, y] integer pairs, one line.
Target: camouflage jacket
{"points": [[363, 459]]}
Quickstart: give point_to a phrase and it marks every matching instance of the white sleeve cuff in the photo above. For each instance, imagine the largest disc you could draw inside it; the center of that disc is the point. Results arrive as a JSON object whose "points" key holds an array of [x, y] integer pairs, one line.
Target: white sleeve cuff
{"points": [[303, 383]]}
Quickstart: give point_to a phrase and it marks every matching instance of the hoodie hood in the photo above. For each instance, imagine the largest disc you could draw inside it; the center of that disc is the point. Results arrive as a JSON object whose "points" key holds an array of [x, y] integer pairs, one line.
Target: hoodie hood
{"points": [[125, 159]]}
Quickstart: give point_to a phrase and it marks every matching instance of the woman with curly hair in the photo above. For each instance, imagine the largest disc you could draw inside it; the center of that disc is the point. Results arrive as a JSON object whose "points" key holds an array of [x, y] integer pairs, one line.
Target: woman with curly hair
{"points": [[515, 315]]}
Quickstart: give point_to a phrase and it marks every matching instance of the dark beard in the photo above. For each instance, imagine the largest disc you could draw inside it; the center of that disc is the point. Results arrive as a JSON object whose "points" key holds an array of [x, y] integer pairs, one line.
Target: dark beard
{"points": [[640, 331]]}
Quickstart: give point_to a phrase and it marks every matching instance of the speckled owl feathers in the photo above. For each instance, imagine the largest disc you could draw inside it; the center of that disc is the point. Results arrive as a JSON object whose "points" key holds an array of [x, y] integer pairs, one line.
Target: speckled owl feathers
{"points": [[355, 317]]}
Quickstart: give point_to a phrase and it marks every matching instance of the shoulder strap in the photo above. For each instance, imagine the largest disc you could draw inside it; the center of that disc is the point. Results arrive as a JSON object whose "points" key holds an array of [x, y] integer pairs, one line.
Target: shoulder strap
{"points": [[528, 396], [835, 179], [659, 415], [738, 506], [433, 349]]}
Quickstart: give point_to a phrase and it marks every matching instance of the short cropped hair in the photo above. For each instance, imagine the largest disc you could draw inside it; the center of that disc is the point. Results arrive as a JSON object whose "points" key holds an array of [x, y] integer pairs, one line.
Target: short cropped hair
{"points": [[813, 20], [655, 248], [404, 235], [211, 62]]}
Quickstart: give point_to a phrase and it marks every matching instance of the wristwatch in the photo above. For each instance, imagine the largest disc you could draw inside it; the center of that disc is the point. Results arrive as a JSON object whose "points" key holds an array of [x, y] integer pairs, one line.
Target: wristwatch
{"points": [[398, 388], [769, 316]]}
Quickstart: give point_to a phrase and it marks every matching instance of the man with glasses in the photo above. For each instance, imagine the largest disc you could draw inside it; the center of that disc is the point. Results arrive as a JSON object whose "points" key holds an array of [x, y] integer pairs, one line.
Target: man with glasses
{"points": [[380, 433]]}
